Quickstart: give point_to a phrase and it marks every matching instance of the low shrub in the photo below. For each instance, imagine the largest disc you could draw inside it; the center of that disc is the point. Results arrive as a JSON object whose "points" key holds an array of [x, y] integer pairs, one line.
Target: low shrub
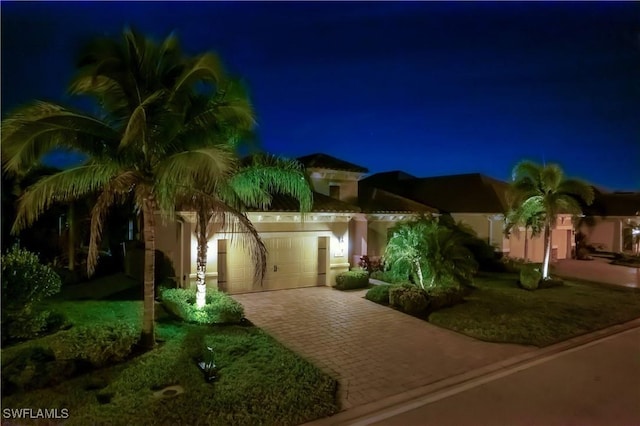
{"points": [[220, 308], [72, 352], [513, 265], [371, 264], [25, 283], [379, 294], [530, 276], [352, 280], [409, 299], [98, 345], [444, 297]]}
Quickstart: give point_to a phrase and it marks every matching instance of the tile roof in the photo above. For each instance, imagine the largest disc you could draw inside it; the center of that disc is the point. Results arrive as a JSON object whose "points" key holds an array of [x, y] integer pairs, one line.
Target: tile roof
{"points": [[376, 200], [614, 204], [324, 161], [464, 193]]}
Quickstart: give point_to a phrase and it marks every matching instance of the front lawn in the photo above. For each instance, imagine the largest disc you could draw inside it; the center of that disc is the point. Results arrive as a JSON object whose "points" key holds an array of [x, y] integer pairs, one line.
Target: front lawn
{"points": [[259, 381], [499, 311]]}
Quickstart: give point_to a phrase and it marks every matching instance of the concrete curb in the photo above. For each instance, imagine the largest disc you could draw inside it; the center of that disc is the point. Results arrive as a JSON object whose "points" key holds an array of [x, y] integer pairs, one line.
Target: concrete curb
{"points": [[416, 397]]}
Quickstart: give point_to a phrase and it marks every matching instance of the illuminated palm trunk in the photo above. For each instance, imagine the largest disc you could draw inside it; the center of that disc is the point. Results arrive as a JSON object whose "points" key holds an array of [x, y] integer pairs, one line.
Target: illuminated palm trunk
{"points": [[547, 251], [201, 261], [420, 277], [526, 245], [147, 338]]}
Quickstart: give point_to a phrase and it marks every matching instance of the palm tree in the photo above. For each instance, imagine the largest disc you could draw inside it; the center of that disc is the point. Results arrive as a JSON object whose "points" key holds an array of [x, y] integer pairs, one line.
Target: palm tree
{"points": [[433, 253], [143, 142], [530, 214], [251, 185], [544, 188]]}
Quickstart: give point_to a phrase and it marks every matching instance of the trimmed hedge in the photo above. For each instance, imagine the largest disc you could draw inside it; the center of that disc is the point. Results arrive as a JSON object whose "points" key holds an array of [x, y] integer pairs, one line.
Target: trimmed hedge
{"points": [[379, 294], [409, 299], [220, 308], [444, 297], [351, 280]]}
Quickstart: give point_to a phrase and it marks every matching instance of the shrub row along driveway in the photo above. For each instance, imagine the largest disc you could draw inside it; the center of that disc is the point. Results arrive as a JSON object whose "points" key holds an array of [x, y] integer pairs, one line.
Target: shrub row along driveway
{"points": [[373, 351]]}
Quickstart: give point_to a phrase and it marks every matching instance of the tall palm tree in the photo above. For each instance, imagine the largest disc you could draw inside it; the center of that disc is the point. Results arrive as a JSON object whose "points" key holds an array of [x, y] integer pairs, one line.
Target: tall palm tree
{"points": [[529, 214], [141, 144], [544, 188]]}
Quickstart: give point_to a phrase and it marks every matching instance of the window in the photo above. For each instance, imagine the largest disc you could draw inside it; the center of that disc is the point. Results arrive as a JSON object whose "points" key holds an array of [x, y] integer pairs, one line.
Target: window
{"points": [[334, 191]]}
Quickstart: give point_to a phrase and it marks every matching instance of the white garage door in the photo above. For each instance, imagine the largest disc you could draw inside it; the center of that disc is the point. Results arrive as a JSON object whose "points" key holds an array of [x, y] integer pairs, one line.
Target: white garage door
{"points": [[292, 262]]}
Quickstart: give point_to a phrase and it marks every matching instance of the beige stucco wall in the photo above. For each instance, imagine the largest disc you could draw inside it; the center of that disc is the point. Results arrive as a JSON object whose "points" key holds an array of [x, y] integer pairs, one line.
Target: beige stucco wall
{"points": [[489, 227], [607, 233], [348, 181]]}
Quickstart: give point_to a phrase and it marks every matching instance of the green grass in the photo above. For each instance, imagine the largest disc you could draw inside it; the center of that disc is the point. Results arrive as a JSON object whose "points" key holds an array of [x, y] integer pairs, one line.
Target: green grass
{"points": [[259, 380], [499, 311]]}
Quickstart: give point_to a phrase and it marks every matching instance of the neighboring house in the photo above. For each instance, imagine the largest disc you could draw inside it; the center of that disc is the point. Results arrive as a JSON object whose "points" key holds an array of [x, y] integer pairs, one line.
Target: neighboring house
{"points": [[478, 201], [607, 223], [351, 217]]}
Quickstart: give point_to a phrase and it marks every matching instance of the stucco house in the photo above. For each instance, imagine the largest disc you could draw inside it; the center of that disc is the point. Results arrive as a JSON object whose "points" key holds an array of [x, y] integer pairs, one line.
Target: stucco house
{"points": [[351, 217], [607, 223], [479, 201]]}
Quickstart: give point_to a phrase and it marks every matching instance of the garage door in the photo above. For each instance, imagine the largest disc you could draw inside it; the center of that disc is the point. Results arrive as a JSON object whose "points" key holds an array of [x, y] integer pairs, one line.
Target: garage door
{"points": [[292, 262]]}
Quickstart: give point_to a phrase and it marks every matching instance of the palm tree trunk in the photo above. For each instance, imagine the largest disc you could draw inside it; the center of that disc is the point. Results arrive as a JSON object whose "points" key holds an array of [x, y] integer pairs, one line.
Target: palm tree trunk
{"points": [[147, 337], [547, 251], [201, 262], [420, 277], [71, 243]]}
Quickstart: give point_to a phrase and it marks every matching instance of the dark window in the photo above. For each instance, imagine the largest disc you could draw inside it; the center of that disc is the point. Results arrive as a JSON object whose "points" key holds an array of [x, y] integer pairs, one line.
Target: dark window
{"points": [[334, 191]]}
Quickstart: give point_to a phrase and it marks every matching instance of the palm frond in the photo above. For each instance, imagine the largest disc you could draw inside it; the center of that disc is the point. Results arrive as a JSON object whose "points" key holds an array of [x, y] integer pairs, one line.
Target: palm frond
{"points": [[36, 129], [201, 169], [272, 175], [63, 186], [115, 191], [205, 68]]}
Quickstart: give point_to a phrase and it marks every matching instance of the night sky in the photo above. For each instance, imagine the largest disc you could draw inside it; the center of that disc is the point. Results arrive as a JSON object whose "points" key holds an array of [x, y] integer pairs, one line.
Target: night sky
{"points": [[428, 88]]}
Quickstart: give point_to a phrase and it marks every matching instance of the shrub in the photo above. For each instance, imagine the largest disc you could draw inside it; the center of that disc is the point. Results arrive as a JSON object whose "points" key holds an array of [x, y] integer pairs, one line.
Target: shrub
{"points": [[98, 345], [530, 276], [444, 297], [73, 352], [409, 299], [351, 280], [379, 294], [220, 308], [25, 283], [371, 264]]}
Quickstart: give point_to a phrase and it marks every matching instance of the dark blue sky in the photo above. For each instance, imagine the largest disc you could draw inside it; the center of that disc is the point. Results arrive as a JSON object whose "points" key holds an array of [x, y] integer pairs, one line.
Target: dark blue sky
{"points": [[428, 88]]}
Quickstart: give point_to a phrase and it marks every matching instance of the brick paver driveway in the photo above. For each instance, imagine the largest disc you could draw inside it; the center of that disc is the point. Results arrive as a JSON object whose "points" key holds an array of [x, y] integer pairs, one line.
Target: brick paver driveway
{"points": [[373, 351]]}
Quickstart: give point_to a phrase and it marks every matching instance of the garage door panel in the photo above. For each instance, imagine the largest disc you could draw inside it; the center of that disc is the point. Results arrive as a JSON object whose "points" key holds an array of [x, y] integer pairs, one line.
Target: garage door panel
{"points": [[292, 262]]}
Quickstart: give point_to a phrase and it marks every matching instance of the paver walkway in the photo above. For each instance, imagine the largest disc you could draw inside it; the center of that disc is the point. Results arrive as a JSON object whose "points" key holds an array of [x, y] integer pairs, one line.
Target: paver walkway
{"points": [[598, 270], [373, 351]]}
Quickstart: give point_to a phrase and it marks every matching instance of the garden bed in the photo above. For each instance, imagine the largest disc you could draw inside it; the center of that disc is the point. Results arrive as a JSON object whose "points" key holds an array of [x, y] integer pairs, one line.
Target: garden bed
{"points": [[258, 381]]}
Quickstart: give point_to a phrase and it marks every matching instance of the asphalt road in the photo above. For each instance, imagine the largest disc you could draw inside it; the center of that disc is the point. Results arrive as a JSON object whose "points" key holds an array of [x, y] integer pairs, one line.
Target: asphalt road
{"points": [[595, 384]]}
